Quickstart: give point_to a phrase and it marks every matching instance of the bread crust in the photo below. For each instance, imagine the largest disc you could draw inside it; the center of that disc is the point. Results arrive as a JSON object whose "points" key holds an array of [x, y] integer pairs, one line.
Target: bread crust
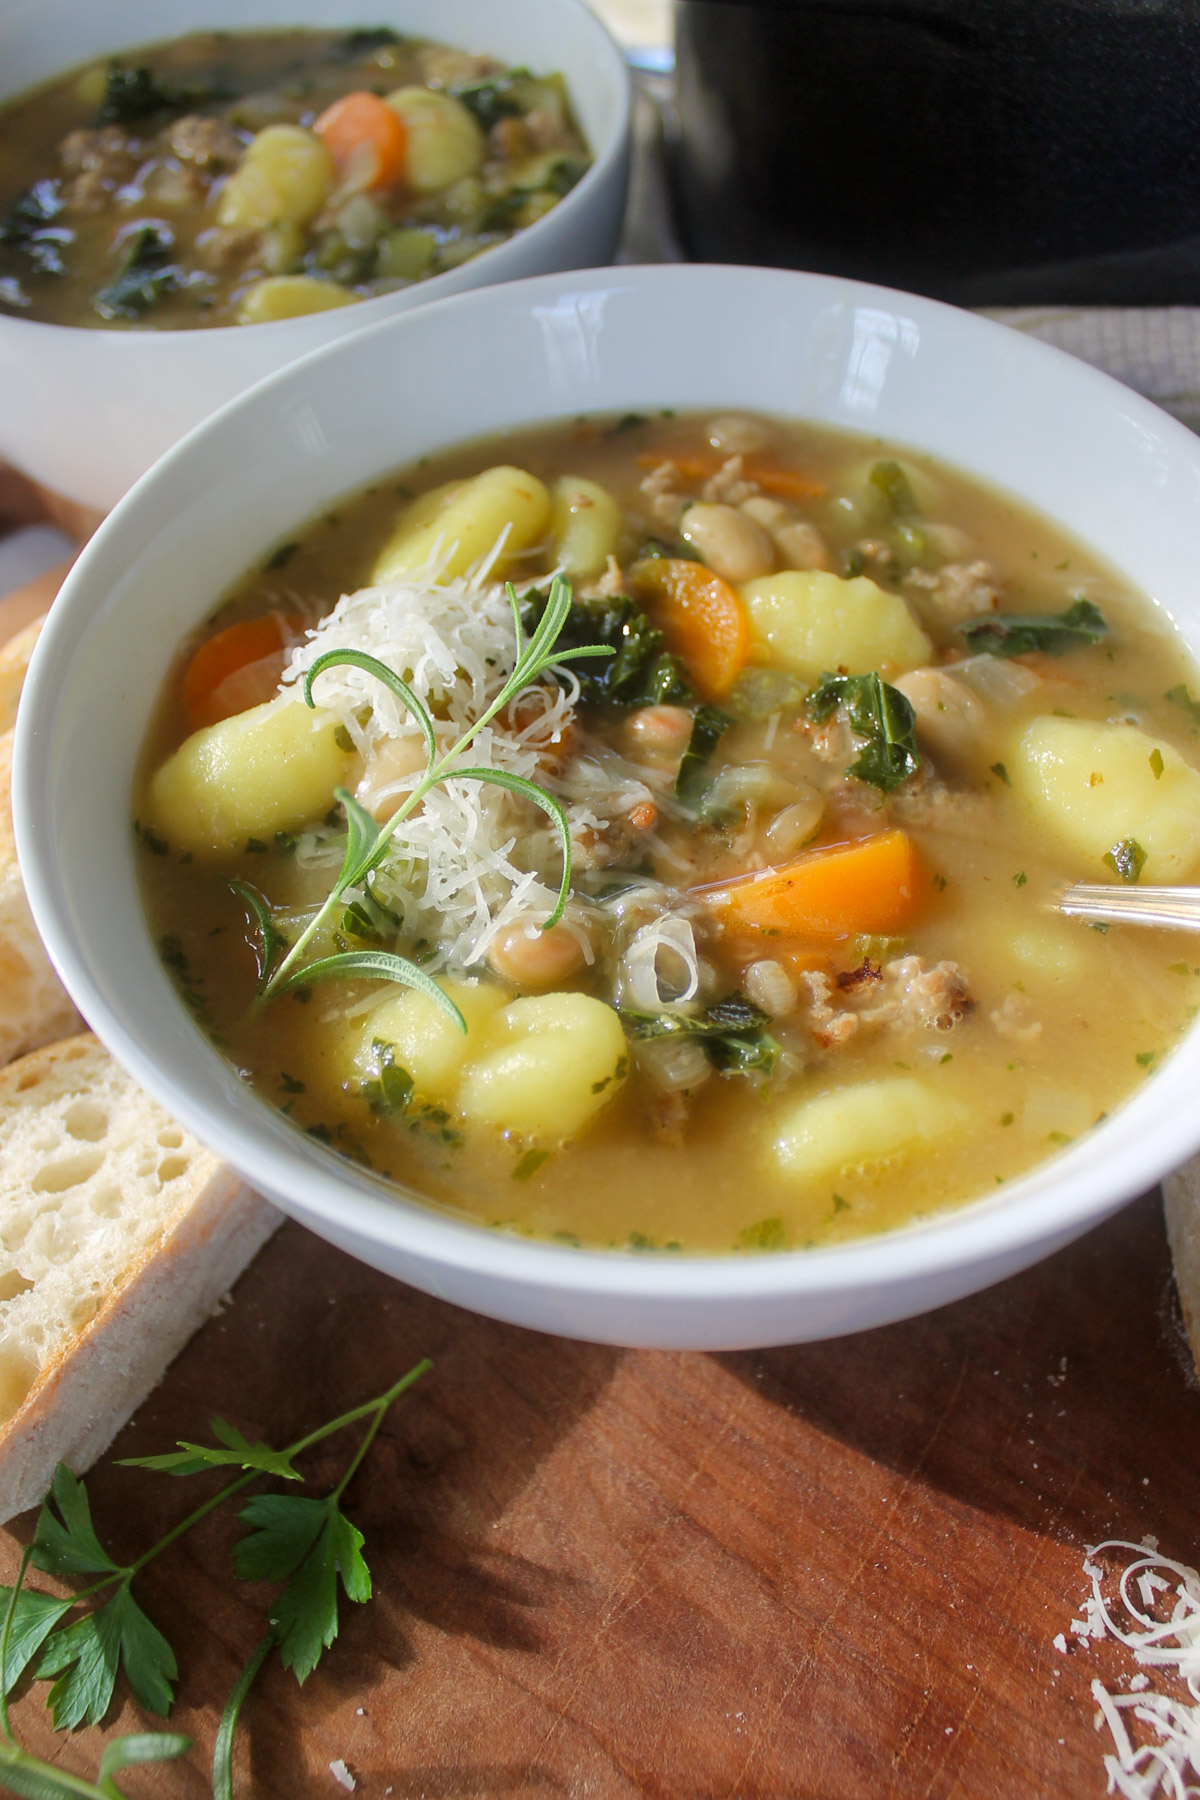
{"points": [[1181, 1205]]}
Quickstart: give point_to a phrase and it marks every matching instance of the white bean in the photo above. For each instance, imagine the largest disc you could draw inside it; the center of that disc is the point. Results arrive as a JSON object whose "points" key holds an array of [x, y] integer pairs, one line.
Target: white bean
{"points": [[731, 545], [791, 829], [660, 732], [532, 958], [951, 720], [733, 434]]}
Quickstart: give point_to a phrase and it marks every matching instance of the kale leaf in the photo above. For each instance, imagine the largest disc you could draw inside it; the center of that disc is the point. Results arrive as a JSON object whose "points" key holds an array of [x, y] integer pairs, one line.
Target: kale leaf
{"points": [[731, 1030], [134, 92], [364, 40], [1016, 634], [882, 716], [147, 273], [29, 226], [641, 673], [495, 97], [709, 725]]}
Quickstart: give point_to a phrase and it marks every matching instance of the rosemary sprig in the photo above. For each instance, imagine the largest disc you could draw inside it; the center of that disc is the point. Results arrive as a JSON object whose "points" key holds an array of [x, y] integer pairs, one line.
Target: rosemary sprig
{"points": [[367, 842]]}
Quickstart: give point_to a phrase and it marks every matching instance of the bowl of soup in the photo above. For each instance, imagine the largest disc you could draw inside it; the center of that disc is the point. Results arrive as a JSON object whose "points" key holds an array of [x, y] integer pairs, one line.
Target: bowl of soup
{"points": [[192, 196], [568, 790]]}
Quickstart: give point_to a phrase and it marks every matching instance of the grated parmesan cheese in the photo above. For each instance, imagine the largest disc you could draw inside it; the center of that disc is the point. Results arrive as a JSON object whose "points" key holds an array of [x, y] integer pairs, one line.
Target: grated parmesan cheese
{"points": [[1162, 1758], [342, 1775], [473, 858]]}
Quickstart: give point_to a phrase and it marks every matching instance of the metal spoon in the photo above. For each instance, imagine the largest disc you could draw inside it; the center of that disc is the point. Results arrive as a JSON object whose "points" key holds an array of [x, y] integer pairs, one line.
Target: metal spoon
{"points": [[1172, 907]]}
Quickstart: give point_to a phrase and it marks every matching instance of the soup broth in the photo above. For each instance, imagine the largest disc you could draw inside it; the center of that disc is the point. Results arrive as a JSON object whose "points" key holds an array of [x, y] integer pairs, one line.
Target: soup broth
{"points": [[240, 177], [866, 719]]}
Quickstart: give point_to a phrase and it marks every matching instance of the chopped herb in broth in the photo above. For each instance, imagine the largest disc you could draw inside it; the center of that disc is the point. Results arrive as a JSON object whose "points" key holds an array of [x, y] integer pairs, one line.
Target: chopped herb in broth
{"points": [[239, 177], [699, 899]]}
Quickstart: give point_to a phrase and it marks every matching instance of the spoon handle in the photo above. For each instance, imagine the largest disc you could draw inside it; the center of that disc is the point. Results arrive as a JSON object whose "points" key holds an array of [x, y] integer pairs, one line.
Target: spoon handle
{"points": [[1177, 908]]}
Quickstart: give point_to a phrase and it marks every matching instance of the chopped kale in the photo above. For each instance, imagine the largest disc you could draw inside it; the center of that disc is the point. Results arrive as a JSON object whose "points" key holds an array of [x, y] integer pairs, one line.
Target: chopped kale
{"points": [[1126, 859], [147, 273], [529, 1164], [495, 97], [641, 673], [134, 92], [29, 226], [363, 41], [879, 714], [731, 1030], [389, 1091], [765, 1234], [284, 554], [1180, 696], [1017, 634], [709, 725]]}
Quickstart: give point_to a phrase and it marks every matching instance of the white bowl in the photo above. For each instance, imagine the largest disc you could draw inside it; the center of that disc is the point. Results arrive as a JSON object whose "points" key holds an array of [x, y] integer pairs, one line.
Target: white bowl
{"points": [[87, 411], [1012, 412]]}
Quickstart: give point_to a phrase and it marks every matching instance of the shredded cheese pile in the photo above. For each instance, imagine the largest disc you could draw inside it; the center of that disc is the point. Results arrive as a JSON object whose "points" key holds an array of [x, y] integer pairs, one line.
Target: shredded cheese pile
{"points": [[473, 857], [1160, 1622]]}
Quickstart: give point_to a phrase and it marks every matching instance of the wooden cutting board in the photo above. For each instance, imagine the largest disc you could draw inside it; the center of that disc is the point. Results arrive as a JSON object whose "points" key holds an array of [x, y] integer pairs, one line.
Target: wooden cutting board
{"points": [[832, 1570]]}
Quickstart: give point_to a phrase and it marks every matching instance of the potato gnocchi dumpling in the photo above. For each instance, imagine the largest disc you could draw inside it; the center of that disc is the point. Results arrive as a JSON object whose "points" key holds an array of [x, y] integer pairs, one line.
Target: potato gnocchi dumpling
{"points": [[807, 621]]}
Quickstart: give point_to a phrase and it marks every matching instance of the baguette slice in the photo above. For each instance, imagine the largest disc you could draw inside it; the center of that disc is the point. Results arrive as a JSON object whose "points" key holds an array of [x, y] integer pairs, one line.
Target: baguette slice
{"points": [[1181, 1204], [35, 1008], [119, 1234], [14, 666]]}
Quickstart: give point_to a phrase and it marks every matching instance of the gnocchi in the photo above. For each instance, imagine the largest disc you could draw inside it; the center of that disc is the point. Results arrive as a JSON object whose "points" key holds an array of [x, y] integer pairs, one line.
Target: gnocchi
{"points": [[873, 1124], [808, 621], [462, 521]]}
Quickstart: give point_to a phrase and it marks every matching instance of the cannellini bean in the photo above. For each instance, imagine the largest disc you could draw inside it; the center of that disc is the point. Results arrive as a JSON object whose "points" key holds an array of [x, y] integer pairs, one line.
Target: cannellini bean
{"points": [[733, 434], [729, 542], [391, 760], [290, 297], [585, 522], [660, 732], [286, 173], [791, 829], [532, 958], [799, 543], [951, 720], [444, 139], [769, 985]]}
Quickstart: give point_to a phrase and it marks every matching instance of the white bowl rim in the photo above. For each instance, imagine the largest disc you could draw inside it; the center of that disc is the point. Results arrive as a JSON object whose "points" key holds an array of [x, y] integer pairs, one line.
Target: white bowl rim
{"points": [[376, 308], [1083, 1184]]}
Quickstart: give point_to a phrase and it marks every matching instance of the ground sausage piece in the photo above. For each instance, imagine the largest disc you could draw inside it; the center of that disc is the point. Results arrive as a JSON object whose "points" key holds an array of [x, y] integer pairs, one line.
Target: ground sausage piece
{"points": [[903, 993], [208, 143], [959, 591], [98, 162]]}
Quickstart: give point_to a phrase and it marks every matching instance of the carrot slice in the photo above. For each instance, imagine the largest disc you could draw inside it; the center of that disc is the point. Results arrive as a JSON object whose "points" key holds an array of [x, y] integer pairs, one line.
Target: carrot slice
{"points": [[791, 484], [701, 618], [871, 887], [238, 668], [361, 128]]}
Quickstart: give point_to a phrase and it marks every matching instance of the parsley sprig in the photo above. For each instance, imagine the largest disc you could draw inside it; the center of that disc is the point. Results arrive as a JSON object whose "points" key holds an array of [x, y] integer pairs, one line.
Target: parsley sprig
{"points": [[282, 969], [304, 1543]]}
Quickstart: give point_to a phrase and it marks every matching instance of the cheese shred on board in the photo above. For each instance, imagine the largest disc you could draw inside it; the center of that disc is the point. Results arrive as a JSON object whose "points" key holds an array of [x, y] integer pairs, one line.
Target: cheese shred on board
{"points": [[1155, 1613]]}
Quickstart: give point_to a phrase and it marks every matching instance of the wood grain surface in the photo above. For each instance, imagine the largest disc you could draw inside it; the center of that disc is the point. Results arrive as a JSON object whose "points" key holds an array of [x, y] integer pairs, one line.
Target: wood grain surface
{"points": [[831, 1570]]}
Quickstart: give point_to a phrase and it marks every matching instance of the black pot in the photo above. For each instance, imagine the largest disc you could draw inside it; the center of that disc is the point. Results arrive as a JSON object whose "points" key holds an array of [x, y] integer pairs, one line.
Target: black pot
{"points": [[990, 152]]}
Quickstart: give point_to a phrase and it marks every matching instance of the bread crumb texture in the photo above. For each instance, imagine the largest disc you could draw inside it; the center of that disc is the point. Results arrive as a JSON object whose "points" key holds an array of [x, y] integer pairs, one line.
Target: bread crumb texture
{"points": [[34, 1007], [92, 1174]]}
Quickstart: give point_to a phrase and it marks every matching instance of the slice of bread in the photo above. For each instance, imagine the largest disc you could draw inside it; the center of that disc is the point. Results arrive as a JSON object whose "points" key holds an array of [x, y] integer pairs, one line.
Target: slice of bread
{"points": [[14, 666], [35, 1008], [1181, 1204], [119, 1234]]}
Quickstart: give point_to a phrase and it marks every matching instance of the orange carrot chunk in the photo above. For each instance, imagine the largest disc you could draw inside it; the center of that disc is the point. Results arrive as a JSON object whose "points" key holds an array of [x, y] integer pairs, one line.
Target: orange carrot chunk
{"points": [[238, 668], [872, 887], [365, 137], [701, 618], [693, 466]]}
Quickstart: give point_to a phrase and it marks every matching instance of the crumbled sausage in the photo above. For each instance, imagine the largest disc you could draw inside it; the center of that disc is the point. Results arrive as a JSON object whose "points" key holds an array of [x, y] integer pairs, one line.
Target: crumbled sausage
{"points": [[1013, 1020], [729, 485], [958, 591], [208, 143], [98, 162], [664, 502], [903, 993]]}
